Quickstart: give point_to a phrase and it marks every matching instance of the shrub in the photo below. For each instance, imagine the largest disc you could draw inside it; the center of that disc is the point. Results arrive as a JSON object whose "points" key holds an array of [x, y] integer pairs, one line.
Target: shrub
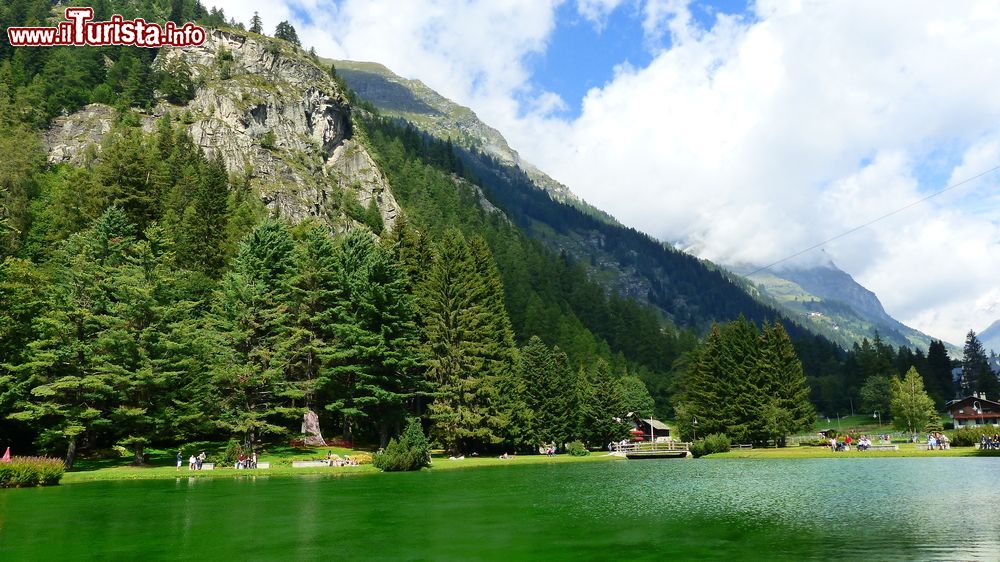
{"points": [[933, 426], [714, 443], [577, 449], [269, 140], [233, 451], [948, 426], [22, 472], [969, 436], [410, 452]]}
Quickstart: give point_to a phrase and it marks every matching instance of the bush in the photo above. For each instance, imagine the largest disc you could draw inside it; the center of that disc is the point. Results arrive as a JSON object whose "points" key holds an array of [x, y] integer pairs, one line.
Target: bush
{"points": [[411, 452], [233, 451], [969, 436], [23, 472], [714, 443], [269, 140], [577, 449], [948, 426]]}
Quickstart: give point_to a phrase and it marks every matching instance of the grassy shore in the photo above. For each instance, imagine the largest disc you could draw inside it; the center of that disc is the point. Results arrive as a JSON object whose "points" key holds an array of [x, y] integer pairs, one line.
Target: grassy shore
{"points": [[905, 450], [162, 468]]}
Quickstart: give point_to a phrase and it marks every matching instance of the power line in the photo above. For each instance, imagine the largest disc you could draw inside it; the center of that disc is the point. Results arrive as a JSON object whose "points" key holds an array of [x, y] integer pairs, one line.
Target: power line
{"points": [[875, 220]]}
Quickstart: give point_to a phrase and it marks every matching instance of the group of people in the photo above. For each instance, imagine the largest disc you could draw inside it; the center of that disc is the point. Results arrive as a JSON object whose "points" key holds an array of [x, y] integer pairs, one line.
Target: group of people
{"points": [[937, 440], [245, 461], [862, 443], [194, 461], [987, 442], [336, 460]]}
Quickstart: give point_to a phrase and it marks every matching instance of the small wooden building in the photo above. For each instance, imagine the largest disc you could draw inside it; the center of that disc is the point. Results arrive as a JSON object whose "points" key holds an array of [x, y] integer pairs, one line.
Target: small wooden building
{"points": [[651, 429], [973, 411]]}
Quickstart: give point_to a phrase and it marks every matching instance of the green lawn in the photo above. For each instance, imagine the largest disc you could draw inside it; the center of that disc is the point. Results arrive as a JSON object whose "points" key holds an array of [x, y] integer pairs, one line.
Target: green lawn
{"points": [[905, 450], [162, 464]]}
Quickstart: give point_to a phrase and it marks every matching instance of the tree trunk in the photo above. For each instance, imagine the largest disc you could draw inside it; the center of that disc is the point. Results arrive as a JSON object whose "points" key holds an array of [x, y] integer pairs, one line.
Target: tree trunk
{"points": [[71, 453], [138, 449], [311, 429], [347, 429], [383, 434]]}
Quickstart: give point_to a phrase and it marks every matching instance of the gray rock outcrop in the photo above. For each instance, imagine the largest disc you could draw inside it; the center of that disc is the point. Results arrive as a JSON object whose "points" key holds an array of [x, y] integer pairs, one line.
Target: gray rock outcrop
{"points": [[270, 112]]}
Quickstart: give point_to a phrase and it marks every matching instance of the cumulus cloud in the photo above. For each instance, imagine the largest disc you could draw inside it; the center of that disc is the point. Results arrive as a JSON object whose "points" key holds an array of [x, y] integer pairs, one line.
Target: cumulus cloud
{"points": [[747, 139]]}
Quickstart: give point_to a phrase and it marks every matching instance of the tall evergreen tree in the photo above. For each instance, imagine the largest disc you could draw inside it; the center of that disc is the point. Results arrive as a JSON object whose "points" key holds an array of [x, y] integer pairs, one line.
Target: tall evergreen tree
{"points": [[940, 384], [912, 408], [287, 32], [784, 387], [465, 357], [374, 366], [977, 376], [248, 318], [307, 341], [256, 25]]}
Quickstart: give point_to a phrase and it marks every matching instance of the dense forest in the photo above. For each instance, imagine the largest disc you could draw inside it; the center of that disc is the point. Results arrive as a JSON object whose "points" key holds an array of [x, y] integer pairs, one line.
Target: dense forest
{"points": [[149, 297]]}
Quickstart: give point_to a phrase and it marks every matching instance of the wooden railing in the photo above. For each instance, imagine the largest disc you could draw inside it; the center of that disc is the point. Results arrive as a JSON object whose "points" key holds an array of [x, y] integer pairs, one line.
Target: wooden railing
{"points": [[646, 447]]}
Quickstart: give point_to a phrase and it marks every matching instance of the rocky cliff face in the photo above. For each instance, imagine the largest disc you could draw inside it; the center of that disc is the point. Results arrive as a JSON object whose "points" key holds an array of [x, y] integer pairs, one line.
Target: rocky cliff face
{"points": [[269, 111]]}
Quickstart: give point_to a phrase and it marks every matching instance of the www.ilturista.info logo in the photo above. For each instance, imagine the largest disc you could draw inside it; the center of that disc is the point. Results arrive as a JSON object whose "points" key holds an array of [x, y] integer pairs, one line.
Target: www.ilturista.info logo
{"points": [[80, 31]]}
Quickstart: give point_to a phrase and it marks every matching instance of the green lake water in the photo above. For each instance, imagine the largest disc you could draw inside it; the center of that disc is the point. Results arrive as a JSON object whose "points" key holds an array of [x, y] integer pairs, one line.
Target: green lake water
{"points": [[822, 509]]}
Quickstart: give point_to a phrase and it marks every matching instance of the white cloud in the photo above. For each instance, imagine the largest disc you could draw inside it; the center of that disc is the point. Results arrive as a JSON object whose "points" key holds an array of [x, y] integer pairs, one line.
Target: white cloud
{"points": [[746, 141]]}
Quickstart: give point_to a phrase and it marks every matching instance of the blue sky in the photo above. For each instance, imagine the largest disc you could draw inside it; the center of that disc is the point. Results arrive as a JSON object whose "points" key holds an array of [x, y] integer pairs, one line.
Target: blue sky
{"points": [[582, 54], [743, 139]]}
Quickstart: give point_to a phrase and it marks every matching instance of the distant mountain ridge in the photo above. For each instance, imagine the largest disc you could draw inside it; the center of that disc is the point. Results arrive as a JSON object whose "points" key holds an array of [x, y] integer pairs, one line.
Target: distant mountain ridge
{"points": [[831, 302], [415, 102], [826, 301], [990, 337]]}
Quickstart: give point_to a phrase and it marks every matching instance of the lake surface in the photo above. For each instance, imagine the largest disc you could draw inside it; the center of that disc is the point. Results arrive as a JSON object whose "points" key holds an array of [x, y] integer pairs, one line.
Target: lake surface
{"points": [[822, 509]]}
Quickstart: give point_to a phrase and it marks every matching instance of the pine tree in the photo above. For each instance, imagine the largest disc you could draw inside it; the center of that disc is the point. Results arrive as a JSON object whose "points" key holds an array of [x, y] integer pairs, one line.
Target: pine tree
{"points": [[783, 386], [940, 384], [124, 171], [247, 320], [256, 26], [912, 408], [605, 415], [977, 376], [375, 359], [464, 360], [287, 32], [307, 340]]}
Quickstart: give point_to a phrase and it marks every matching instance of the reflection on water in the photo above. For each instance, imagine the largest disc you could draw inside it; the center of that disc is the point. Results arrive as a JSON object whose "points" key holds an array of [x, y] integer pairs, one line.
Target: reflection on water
{"points": [[822, 509]]}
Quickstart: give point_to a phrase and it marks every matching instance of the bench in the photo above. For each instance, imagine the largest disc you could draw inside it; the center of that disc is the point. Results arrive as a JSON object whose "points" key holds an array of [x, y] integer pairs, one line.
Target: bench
{"points": [[263, 465], [743, 446], [883, 448], [208, 466], [923, 447], [308, 464]]}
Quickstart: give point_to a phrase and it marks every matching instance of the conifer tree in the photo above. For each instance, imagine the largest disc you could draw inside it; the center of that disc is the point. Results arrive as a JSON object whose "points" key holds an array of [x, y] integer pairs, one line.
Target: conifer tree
{"points": [[248, 318], [374, 363], [912, 408], [977, 376], [463, 359], [605, 415], [287, 32], [307, 340], [256, 26], [787, 408]]}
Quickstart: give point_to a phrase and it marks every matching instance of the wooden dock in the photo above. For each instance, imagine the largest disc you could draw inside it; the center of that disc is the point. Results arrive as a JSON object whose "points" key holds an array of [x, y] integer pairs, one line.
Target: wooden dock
{"points": [[668, 450]]}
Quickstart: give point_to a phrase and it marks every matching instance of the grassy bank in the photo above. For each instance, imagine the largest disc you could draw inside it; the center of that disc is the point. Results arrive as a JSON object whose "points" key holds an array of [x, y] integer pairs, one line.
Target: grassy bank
{"points": [[163, 467], [905, 450]]}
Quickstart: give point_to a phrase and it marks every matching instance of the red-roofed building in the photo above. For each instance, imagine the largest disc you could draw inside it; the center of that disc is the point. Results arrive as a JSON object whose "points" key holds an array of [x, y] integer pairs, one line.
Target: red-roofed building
{"points": [[974, 410]]}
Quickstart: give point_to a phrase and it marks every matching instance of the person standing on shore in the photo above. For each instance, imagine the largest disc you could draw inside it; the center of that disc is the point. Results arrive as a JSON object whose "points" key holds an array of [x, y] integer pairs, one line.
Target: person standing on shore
{"points": [[180, 459]]}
